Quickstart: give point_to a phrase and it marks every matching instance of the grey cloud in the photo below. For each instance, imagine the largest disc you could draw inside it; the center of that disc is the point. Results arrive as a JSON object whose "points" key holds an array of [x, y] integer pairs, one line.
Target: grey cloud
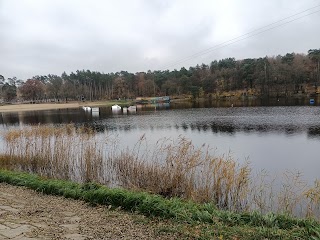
{"points": [[42, 37]]}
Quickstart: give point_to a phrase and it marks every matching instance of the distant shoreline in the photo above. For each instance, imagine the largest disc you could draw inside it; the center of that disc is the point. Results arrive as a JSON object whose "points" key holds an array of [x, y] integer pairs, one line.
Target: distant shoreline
{"points": [[76, 104], [51, 106]]}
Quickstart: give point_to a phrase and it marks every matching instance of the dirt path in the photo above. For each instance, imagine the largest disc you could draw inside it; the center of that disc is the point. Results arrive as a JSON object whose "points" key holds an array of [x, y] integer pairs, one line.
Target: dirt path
{"points": [[25, 214]]}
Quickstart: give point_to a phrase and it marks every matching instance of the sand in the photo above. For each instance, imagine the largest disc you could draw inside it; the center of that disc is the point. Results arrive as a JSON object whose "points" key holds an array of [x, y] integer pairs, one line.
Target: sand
{"points": [[46, 106]]}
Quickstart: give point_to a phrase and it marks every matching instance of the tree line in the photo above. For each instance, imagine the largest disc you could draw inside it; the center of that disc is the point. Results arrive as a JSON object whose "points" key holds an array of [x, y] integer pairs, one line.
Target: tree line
{"points": [[276, 76]]}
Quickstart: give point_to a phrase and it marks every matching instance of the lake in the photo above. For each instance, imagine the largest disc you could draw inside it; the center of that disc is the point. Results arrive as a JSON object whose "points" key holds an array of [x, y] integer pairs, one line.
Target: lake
{"points": [[275, 136]]}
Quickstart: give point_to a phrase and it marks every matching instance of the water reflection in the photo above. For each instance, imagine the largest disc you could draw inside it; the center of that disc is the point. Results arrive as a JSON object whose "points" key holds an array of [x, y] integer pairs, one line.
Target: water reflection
{"points": [[250, 102], [43, 117], [288, 120], [314, 132]]}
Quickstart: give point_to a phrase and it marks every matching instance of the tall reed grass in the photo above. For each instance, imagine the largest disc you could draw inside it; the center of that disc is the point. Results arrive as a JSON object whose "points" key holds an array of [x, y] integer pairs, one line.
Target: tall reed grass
{"points": [[179, 169], [63, 152], [170, 168]]}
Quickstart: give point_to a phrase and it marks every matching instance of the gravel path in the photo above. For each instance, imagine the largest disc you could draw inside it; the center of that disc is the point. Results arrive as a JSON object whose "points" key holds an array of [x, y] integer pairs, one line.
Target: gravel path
{"points": [[26, 214]]}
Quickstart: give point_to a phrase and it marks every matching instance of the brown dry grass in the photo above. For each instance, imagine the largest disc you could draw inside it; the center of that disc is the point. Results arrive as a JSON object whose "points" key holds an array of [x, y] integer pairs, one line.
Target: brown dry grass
{"points": [[62, 152], [179, 169]]}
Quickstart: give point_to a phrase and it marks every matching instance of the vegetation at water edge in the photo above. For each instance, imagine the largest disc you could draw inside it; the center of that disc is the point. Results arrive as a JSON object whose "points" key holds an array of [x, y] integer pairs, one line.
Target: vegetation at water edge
{"points": [[201, 221]]}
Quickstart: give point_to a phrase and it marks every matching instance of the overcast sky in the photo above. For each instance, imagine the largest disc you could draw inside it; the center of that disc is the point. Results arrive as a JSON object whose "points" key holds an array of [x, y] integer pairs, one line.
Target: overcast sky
{"points": [[40, 37]]}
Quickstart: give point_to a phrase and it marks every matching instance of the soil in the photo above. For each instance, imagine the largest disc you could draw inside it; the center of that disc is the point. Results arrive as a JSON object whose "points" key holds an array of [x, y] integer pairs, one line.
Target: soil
{"points": [[26, 214]]}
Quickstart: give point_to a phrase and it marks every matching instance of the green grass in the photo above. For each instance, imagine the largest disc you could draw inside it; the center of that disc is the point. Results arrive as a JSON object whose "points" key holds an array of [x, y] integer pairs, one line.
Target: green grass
{"points": [[120, 102], [108, 103], [202, 221]]}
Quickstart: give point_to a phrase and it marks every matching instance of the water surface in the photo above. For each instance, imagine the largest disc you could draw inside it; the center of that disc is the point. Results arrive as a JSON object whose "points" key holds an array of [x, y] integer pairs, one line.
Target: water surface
{"points": [[274, 138]]}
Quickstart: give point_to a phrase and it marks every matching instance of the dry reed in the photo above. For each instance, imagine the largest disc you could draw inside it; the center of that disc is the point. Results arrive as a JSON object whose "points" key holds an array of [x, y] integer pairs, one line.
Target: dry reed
{"points": [[179, 169], [63, 152]]}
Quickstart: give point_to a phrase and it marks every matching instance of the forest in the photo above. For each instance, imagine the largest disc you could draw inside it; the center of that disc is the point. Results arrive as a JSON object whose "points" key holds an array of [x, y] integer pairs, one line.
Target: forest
{"points": [[289, 75]]}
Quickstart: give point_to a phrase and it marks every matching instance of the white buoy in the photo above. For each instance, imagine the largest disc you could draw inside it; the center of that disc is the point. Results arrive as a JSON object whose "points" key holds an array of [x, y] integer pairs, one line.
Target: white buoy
{"points": [[116, 107]]}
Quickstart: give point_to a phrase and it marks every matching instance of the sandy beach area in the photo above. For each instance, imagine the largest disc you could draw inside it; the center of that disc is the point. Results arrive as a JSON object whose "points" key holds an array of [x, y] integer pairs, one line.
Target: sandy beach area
{"points": [[46, 106], [35, 107]]}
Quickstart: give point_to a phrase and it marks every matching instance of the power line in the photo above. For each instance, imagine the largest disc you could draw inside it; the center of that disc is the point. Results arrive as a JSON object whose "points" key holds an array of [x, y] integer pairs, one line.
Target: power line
{"points": [[242, 37], [224, 45], [247, 35]]}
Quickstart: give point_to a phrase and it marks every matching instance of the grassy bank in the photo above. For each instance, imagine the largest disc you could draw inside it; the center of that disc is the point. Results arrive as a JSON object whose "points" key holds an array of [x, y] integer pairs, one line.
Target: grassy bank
{"points": [[108, 103], [202, 221]]}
